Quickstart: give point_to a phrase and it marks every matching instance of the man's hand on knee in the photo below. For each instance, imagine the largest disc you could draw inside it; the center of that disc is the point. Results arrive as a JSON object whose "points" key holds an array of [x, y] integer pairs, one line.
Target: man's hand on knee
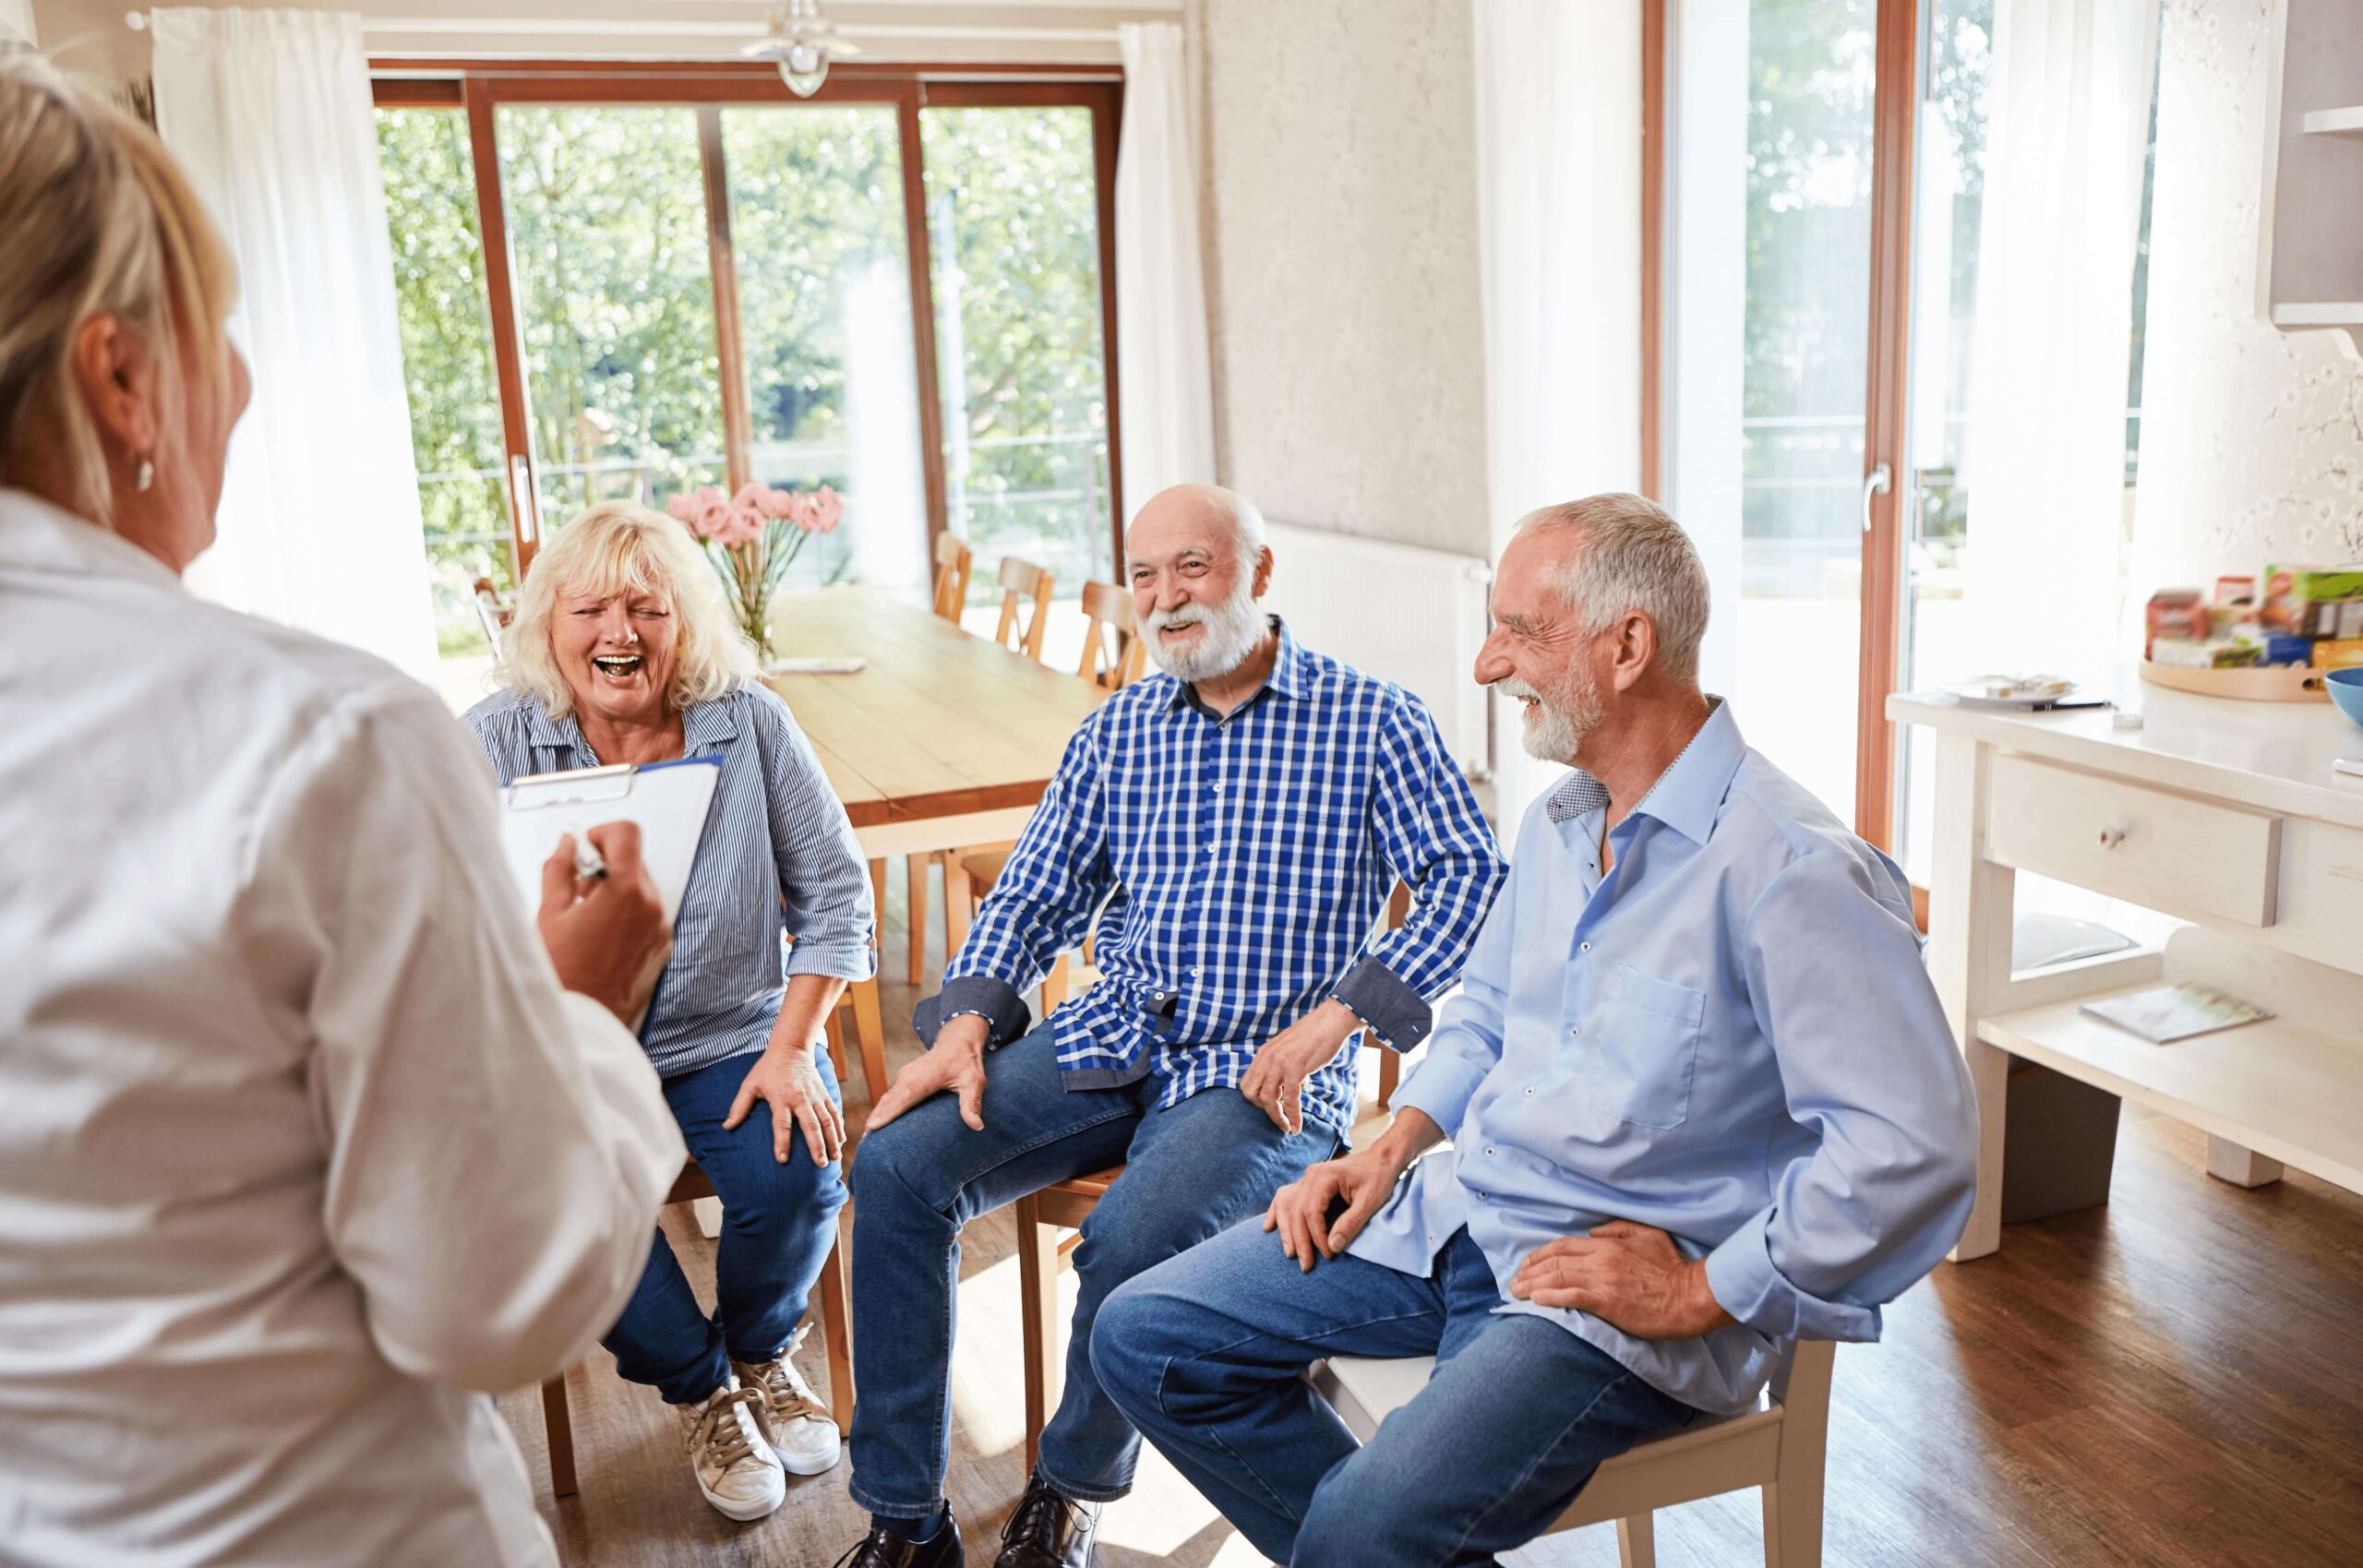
{"points": [[1304, 1212], [1629, 1276], [956, 1061]]}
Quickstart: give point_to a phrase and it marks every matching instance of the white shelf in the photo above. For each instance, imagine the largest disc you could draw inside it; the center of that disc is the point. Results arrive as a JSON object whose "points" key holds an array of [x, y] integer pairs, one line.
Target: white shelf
{"points": [[2334, 122], [2292, 1093], [2334, 313]]}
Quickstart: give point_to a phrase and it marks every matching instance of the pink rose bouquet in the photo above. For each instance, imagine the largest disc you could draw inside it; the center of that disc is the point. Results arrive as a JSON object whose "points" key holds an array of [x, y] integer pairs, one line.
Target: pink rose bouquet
{"points": [[752, 538]]}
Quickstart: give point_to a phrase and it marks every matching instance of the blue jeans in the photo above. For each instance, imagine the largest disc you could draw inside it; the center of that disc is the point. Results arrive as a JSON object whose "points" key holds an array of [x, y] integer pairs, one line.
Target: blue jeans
{"points": [[1205, 1353], [778, 1223], [1189, 1172]]}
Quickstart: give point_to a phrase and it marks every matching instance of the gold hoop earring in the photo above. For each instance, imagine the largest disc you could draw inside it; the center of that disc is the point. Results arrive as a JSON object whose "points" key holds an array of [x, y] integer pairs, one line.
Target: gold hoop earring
{"points": [[145, 477]]}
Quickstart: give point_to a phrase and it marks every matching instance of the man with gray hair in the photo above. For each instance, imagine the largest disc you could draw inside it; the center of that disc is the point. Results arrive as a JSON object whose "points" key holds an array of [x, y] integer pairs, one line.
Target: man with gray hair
{"points": [[1703, 1103], [1232, 827]]}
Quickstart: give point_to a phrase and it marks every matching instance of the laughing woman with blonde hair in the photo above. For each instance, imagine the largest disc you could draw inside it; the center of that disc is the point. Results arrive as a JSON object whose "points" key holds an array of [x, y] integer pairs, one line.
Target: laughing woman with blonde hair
{"points": [[304, 1151], [624, 650]]}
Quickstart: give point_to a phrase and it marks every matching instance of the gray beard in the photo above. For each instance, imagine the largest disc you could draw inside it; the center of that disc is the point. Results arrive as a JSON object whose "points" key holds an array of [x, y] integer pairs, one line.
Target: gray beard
{"points": [[1562, 723], [1233, 629]]}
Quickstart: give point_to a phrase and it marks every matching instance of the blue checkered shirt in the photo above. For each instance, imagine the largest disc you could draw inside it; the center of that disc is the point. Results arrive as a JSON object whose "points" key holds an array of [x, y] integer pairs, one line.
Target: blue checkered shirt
{"points": [[1238, 868]]}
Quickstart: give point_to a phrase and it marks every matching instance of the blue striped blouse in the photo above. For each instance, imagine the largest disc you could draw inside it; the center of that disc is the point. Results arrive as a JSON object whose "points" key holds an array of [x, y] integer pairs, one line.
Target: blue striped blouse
{"points": [[778, 859]]}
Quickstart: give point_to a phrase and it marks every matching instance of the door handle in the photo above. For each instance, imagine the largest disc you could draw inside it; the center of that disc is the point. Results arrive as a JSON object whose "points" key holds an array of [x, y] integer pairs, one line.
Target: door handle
{"points": [[1878, 481]]}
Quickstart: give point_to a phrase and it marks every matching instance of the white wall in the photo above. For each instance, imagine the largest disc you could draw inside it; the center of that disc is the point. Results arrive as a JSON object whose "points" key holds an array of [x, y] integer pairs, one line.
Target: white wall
{"points": [[1340, 217], [2252, 439]]}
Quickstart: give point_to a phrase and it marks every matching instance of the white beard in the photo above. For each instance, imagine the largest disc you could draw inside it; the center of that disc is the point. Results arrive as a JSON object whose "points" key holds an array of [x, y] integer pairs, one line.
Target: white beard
{"points": [[1233, 629], [1556, 727]]}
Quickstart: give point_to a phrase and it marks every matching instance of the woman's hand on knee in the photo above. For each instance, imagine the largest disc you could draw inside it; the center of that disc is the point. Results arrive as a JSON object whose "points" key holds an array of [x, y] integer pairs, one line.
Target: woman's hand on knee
{"points": [[785, 1077]]}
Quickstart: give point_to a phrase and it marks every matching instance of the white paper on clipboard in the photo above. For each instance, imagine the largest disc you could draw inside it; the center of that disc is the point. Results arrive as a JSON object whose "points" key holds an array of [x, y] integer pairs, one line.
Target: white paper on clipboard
{"points": [[668, 800]]}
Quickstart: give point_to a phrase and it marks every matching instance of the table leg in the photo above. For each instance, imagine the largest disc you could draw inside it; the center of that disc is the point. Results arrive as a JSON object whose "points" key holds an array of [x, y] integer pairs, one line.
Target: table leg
{"points": [[2228, 1161], [1969, 960]]}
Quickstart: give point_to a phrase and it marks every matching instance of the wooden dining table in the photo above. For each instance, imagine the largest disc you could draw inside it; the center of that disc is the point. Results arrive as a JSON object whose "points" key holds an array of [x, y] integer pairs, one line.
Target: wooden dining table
{"points": [[942, 741]]}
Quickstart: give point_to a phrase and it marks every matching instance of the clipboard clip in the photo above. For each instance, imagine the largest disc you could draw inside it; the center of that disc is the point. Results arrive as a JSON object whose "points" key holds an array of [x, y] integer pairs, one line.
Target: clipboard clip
{"points": [[611, 782]]}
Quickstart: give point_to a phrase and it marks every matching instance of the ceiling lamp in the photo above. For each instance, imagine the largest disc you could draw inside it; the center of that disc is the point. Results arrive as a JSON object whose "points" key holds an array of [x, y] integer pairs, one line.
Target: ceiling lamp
{"points": [[802, 42]]}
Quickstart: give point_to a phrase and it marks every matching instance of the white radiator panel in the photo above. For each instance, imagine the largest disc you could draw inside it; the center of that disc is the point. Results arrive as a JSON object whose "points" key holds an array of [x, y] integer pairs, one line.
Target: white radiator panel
{"points": [[1413, 617]]}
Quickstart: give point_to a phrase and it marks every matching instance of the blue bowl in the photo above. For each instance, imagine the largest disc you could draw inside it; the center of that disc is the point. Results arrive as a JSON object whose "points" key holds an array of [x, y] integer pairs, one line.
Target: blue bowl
{"points": [[2346, 689]]}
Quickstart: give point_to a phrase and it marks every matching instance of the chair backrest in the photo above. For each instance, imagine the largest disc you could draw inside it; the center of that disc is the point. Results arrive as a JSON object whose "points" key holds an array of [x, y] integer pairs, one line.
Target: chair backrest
{"points": [[1021, 580], [491, 614], [1114, 654], [952, 563]]}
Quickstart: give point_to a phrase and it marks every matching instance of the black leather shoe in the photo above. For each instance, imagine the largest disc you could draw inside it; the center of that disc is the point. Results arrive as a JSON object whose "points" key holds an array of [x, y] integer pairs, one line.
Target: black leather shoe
{"points": [[884, 1549], [1048, 1531]]}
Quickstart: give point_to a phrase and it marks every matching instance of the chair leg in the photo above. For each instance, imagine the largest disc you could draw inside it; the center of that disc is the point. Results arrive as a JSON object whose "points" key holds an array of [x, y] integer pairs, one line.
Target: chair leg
{"points": [[1792, 1518], [1037, 1290], [1636, 1541], [557, 1421], [835, 1304], [1390, 1073], [870, 1032], [959, 906], [915, 883], [834, 1028], [1054, 986]]}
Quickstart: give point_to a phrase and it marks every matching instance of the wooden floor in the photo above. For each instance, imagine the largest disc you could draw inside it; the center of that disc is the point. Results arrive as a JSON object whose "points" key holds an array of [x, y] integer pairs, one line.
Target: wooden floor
{"points": [[2174, 1378]]}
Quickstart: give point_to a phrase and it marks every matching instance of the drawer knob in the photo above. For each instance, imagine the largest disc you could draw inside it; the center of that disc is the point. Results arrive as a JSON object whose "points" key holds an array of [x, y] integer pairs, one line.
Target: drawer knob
{"points": [[2112, 837]]}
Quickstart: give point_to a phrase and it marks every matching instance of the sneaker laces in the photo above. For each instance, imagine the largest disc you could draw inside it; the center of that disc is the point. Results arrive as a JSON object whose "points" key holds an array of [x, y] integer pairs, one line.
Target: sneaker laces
{"points": [[715, 1432], [1038, 1515], [782, 1388]]}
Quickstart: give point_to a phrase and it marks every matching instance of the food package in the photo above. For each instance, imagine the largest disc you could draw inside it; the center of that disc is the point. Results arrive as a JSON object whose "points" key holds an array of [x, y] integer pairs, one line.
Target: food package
{"points": [[2285, 647], [2339, 654], [2177, 613], [2293, 596], [2216, 653]]}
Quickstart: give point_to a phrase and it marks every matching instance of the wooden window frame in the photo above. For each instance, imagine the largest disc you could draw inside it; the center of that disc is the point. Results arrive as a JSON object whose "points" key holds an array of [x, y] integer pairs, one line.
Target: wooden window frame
{"points": [[1894, 107], [478, 88]]}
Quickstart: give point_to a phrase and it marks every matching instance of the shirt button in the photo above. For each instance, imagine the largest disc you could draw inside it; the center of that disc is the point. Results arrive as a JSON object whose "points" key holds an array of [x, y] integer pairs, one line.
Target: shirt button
{"points": [[1575, 1031], [1584, 946], [1529, 1094], [1489, 1151]]}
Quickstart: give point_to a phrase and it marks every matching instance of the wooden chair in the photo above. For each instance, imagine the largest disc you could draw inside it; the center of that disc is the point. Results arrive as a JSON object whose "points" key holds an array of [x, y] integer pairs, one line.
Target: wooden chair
{"points": [[1021, 580], [1063, 1206], [952, 563], [1778, 1446], [1115, 653], [830, 1303]]}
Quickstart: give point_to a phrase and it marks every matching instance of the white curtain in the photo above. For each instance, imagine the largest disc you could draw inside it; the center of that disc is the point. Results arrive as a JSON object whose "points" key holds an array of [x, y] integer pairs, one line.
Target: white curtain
{"points": [[1162, 377], [2046, 456], [1559, 253], [269, 113]]}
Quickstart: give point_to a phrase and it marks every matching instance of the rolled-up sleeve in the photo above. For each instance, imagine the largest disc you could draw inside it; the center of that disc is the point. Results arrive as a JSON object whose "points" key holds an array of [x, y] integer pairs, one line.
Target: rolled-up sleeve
{"points": [[824, 880], [1867, 1064], [1468, 1042]]}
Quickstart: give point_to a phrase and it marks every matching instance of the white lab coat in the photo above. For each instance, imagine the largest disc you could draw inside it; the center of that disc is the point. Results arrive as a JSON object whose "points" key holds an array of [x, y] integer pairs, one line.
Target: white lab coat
{"points": [[300, 1142]]}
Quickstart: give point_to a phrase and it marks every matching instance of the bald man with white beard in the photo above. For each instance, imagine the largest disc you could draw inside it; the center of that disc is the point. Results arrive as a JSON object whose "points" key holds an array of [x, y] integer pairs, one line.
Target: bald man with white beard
{"points": [[1232, 827]]}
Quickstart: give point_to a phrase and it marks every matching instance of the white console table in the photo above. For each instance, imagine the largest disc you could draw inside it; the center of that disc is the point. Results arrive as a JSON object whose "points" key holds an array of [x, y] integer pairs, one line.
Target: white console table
{"points": [[2220, 812]]}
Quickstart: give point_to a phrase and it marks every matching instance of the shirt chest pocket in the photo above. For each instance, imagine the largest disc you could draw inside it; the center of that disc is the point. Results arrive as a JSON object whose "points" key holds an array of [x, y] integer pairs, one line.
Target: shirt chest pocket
{"points": [[1647, 1049]]}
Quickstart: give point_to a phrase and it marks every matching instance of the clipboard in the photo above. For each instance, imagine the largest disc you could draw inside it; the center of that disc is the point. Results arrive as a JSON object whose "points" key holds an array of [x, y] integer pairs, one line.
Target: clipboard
{"points": [[668, 800]]}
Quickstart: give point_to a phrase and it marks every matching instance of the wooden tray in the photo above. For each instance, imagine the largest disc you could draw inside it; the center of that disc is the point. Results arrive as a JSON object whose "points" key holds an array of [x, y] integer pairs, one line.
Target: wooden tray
{"points": [[2274, 683]]}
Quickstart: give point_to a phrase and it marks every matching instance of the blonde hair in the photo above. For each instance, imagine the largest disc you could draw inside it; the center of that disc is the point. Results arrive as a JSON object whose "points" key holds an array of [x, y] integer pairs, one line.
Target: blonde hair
{"points": [[621, 546], [99, 222]]}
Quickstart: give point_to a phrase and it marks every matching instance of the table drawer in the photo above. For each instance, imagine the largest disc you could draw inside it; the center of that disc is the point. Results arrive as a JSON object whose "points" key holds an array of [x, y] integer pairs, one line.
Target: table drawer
{"points": [[2198, 858]]}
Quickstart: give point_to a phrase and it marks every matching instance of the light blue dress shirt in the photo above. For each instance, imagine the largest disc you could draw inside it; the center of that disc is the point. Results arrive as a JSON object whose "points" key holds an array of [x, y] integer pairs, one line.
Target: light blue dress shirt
{"points": [[1730, 1037]]}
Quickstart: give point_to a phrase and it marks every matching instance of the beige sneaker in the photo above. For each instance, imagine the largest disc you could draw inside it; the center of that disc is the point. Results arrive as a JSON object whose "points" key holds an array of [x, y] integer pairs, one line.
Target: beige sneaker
{"points": [[735, 1466], [798, 1427]]}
